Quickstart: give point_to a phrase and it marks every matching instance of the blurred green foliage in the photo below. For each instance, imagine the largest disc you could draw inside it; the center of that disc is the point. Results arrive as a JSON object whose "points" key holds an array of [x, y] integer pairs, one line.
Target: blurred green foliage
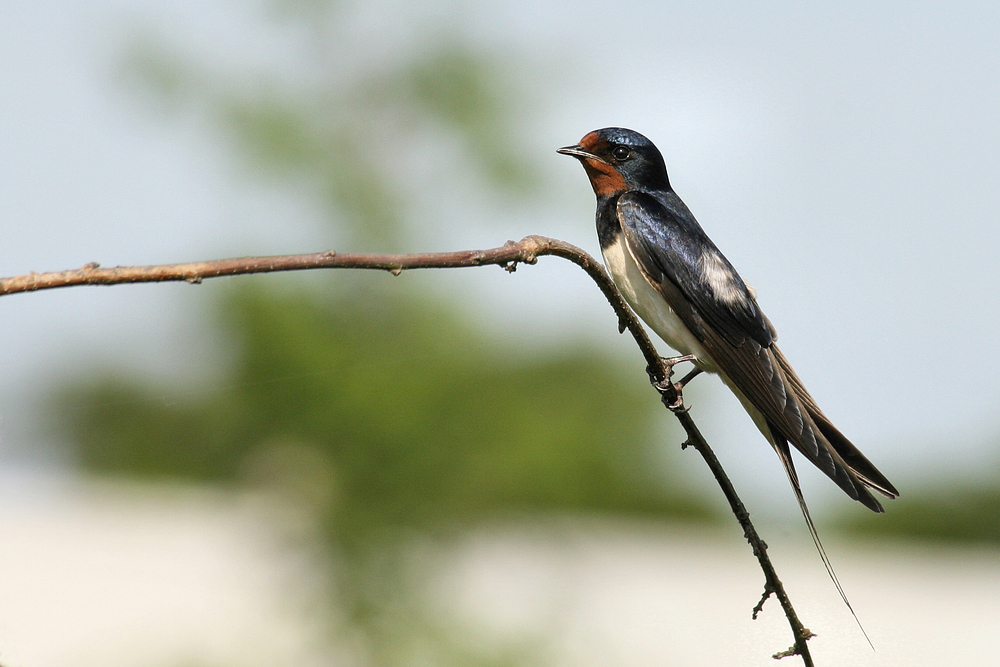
{"points": [[384, 414], [417, 419], [387, 416]]}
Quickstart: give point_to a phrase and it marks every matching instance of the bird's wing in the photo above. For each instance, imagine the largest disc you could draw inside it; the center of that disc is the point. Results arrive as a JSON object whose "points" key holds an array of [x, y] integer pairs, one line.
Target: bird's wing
{"points": [[717, 307], [693, 263]]}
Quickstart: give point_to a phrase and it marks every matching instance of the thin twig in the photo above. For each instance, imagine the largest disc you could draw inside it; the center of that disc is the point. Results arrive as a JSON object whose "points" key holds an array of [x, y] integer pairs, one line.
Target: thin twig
{"points": [[525, 251], [772, 585]]}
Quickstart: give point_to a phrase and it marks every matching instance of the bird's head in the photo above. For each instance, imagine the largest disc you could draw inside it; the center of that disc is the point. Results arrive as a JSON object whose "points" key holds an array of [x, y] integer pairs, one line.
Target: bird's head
{"points": [[617, 160]]}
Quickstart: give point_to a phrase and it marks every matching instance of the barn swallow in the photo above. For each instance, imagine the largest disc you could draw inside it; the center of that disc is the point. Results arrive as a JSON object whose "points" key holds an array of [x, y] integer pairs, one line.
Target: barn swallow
{"points": [[684, 288]]}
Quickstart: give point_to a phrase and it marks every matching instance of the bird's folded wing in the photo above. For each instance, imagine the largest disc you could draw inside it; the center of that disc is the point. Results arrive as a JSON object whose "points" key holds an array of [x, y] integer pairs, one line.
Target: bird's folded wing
{"points": [[731, 331], [666, 241]]}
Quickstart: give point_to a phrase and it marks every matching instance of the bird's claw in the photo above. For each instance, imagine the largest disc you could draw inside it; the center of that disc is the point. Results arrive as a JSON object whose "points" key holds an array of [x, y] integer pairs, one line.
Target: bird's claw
{"points": [[676, 405], [668, 389], [665, 371]]}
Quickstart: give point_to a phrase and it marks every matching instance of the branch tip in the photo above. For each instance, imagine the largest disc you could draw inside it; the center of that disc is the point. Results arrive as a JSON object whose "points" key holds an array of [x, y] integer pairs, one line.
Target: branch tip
{"points": [[799, 648], [790, 651], [759, 607]]}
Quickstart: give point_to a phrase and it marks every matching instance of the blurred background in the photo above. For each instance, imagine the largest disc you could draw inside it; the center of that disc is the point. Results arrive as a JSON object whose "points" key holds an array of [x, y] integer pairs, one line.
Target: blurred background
{"points": [[467, 467]]}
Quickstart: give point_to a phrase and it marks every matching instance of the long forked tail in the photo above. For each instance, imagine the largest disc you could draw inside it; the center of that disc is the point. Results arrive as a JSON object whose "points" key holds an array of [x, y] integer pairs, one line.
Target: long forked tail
{"points": [[827, 448], [781, 447]]}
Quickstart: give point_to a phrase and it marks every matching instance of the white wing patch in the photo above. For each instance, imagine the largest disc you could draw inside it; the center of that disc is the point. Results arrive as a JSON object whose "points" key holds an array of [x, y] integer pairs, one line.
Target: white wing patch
{"points": [[721, 280]]}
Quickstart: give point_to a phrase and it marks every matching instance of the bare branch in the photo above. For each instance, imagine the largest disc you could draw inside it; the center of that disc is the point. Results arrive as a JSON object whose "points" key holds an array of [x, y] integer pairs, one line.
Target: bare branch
{"points": [[525, 251], [772, 585]]}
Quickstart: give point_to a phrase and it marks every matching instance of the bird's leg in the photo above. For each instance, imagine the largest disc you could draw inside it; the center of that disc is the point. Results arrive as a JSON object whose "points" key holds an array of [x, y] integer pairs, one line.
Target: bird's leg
{"points": [[679, 386]]}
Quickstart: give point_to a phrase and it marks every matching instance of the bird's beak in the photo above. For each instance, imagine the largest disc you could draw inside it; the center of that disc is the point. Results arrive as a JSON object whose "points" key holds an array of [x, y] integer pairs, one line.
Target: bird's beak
{"points": [[578, 152]]}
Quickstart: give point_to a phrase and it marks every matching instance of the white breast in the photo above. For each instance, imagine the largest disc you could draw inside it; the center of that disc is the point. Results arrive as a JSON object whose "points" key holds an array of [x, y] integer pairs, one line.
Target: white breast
{"points": [[650, 305]]}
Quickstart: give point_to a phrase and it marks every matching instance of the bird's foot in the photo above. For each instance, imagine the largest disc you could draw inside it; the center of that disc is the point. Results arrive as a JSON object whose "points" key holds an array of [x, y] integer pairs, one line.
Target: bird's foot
{"points": [[671, 392], [665, 371]]}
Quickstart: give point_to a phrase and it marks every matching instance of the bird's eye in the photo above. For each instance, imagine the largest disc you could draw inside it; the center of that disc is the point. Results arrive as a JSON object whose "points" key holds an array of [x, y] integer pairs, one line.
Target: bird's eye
{"points": [[620, 153]]}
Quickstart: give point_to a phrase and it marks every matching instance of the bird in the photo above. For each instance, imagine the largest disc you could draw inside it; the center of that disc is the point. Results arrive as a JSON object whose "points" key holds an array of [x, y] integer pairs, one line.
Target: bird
{"points": [[683, 287]]}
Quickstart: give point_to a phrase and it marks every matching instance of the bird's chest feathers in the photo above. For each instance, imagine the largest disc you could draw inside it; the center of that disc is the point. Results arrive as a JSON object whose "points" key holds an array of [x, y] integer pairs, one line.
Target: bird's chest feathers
{"points": [[648, 303]]}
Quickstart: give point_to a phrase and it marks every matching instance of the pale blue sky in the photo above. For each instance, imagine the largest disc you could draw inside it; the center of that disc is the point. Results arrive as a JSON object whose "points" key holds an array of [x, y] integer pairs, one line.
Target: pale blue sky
{"points": [[844, 157]]}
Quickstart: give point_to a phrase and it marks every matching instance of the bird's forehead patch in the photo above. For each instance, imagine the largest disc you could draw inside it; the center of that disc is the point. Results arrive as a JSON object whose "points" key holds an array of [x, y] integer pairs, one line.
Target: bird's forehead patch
{"points": [[592, 141], [603, 177]]}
